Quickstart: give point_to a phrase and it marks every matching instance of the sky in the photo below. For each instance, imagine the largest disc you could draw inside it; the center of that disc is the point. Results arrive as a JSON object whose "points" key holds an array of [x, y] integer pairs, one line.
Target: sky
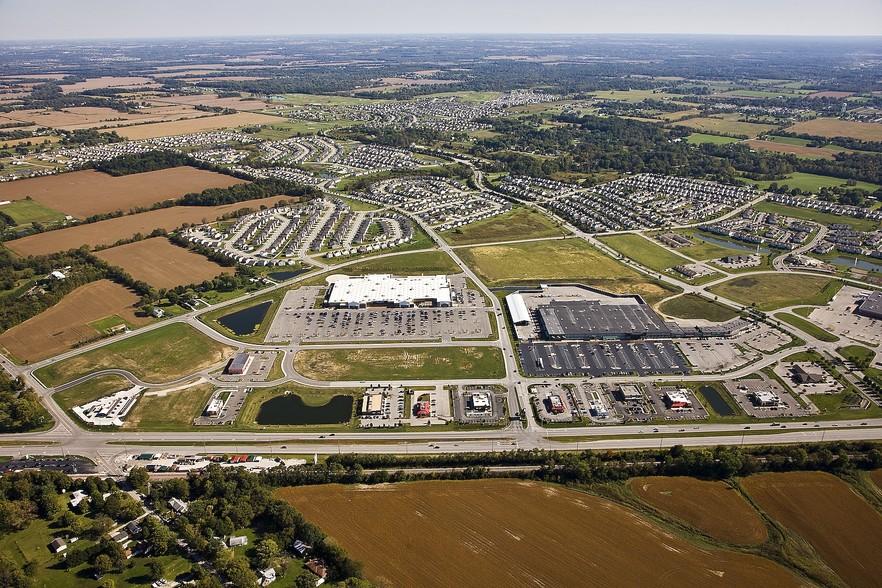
{"points": [[101, 19]]}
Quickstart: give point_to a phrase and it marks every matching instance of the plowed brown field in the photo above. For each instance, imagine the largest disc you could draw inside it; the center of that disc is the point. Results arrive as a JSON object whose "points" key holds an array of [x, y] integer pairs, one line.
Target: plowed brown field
{"points": [[67, 323], [512, 533], [84, 193], [161, 264], [838, 523], [833, 127], [110, 231], [712, 507], [182, 127], [87, 117]]}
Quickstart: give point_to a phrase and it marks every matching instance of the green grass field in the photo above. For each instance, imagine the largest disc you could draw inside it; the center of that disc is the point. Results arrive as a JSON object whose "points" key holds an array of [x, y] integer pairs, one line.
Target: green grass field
{"points": [[692, 306], [311, 397], [31, 211], [400, 364], [174, 411], [538, 261], [787, 140], [518, 223], [771, 291], [91, 389], [858, 352], [812, 182], [699, 138], [836, 406], [644, 251], [160, 355], [806, 327], [860, 224]]}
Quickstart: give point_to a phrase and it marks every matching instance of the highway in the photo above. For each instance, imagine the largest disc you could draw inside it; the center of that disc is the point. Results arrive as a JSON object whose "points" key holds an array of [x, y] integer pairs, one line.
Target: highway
{"points": [[109, 449]]}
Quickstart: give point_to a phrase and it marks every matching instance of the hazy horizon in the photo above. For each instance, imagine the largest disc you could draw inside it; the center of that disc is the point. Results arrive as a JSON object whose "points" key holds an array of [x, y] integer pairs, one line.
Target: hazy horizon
{"points": [[61, 20]]}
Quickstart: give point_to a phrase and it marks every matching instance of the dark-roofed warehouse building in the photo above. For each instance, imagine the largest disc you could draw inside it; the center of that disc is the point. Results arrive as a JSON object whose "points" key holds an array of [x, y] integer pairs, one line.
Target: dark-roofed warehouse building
{"points": [[871, 306], [590, 319]]}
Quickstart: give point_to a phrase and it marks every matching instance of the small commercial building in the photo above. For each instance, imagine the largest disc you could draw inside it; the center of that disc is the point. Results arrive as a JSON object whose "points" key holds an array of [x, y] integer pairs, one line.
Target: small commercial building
{"points": [[371, 404], [517, 308], [629, 393], [678, 399], [423, 410], [803, 376], [556, 405], [480, 402], [240, 363], [765, 398]]}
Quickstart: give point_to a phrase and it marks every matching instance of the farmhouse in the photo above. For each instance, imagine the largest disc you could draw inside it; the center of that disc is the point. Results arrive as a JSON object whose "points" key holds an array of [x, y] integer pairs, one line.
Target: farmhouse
{"points": [[388, 290], [240, 363], [871, 306], [178, 506]]}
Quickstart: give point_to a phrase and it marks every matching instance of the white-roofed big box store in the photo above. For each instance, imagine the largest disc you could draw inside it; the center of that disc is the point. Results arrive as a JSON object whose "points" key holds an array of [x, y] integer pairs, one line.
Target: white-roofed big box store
{"points": [[388, 290]]}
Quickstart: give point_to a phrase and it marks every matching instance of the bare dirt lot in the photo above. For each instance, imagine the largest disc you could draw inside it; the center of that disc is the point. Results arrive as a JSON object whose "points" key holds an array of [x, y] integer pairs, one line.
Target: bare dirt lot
{"points": [[838, 523], [84, 193], [161, 264], [67, 323], [512, 533], [110, 231], [833, 127], [183, 127], [712, 507]]}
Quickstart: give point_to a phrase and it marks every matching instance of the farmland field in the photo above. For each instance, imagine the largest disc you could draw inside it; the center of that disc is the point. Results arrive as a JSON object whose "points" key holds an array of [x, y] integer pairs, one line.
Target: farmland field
{"points": [[699, 138], [161, 264], [692, 306], [86, 117], [569, 259], [67, 323], [400, 364], [518, 223], [112, 230], [644, 251], [183, 127], [213, 101], [771, 291], [30, 211], [713, 508], [107, 82], [840, 525], [833, 127], [513, 533], [859, 224], [727, 127], [160, 355], [84, 193], [812, 182], [800, 150]]}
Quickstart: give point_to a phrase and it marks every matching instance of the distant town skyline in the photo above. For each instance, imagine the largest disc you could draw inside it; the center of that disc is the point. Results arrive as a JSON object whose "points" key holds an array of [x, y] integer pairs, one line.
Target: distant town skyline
{"points": [[106, 19]]}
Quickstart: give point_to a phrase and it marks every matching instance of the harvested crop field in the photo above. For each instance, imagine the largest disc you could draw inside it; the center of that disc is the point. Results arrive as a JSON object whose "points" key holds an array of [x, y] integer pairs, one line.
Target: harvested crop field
{"points": [[87, 117], [161, 264], [838, 523], [727, 127], [212, 100], [58, 328], [82, 194], [112, 230], [183, 127], [109, 82], [800, 150], [713, 508], [833, 127], [514, 533]]}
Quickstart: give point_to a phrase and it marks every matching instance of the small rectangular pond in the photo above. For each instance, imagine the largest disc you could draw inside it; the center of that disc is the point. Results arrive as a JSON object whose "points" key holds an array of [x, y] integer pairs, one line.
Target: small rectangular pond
{"points": [[290, 409], [246, 321]]}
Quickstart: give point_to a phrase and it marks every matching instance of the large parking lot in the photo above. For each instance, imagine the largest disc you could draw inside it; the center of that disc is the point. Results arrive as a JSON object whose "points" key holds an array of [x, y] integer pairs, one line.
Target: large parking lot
{"points": [[787, 407], [463, 411], [600, 359], [258, 371], [297, 321], [713, 355], [839, 318]]}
